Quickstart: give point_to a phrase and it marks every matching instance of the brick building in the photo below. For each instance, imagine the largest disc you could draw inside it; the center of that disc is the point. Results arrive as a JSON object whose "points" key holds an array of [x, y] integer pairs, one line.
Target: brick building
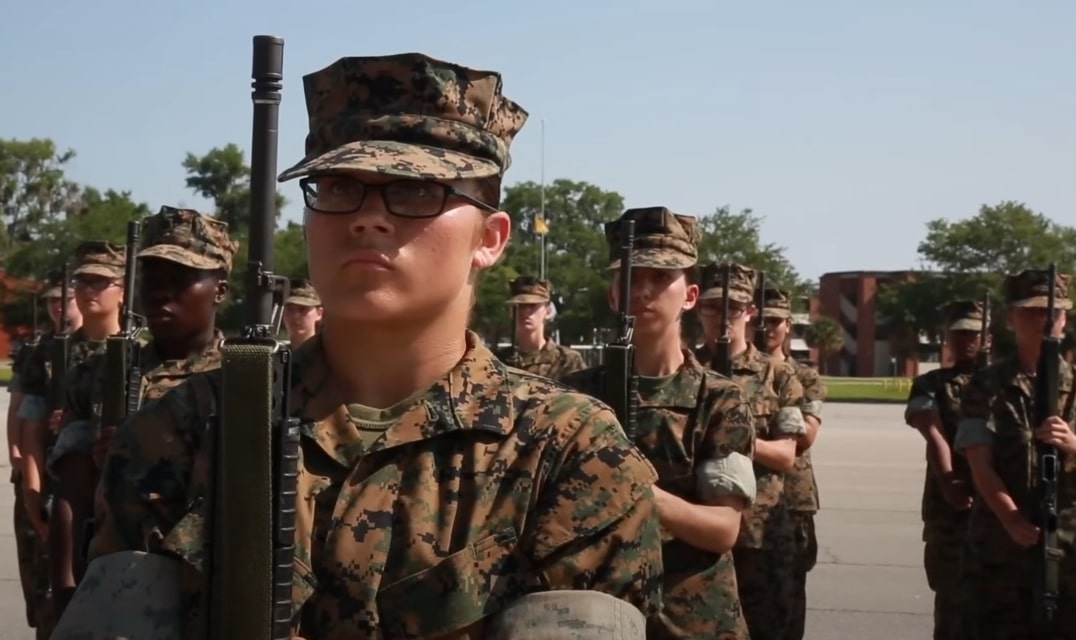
{"points": [[849, 297]]}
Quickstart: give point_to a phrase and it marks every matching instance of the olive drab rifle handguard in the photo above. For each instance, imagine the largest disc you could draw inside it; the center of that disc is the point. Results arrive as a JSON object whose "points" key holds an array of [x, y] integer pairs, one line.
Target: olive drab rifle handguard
{"points": [[255, 463], [618, 357]]}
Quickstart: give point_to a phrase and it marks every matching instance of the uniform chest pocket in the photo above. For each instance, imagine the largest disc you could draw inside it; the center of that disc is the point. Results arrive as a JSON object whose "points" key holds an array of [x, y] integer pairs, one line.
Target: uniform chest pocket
{"points": [[461, 589]]}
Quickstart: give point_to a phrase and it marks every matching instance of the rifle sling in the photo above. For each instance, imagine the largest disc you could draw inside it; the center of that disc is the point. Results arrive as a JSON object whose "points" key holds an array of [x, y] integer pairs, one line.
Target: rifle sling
{"points": [[244, 467]]}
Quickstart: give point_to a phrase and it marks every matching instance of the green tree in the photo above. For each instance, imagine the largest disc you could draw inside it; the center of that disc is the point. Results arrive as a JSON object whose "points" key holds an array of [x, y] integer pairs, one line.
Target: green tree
{"points": [[33, 189], [576, 258], [969, 259], [222, 175], [737, 236], [824, 334]]}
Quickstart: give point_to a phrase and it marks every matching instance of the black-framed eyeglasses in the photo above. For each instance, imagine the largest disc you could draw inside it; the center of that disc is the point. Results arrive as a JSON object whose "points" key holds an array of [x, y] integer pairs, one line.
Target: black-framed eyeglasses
{"points": [[94, 283], [336, 194]]}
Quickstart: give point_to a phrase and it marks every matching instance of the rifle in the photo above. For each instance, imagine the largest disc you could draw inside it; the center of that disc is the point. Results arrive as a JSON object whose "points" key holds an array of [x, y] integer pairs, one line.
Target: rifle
{"points": [[122, 396], [618, 357], [722, 362], [984, 335], [60, 347], [1044, 483], [251, 561], [760, 304]]}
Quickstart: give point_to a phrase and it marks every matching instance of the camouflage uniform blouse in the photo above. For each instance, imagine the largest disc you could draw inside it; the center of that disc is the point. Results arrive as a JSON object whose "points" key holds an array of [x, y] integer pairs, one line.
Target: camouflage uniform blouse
{"points": [[775, 396], [420, 521], [940, 390], [83, 389], [696, 429], [801, 486], [997, 408], [37, 375], [552, 361]]}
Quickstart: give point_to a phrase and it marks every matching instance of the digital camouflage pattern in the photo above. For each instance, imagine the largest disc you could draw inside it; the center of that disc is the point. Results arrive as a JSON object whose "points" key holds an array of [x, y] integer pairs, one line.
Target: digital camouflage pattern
{"points": [[1031, 288], [776, 303], [801, 496], [38, 371], [83, 388], [663, 239], [188, 238], [302, 293], [490, 484], [687, 425], [765, 551], [944, 527], [99, 258], [552, 361], [530, 290], [53, 286], [996, 580], [741, 282], [410, 116], [965, 315]]}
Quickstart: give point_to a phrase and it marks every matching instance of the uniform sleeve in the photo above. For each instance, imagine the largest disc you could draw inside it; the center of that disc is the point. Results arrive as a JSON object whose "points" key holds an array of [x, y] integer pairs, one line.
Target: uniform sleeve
{"points": [[976, 426], [596, 524], [814, 392], [789, 418], [573, 361], [143, 490], [922, 397], [35, 375], [724, 466]]}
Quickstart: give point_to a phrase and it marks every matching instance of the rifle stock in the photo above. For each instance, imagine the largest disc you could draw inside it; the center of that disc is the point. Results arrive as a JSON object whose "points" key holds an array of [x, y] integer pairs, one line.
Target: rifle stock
{"points": [[255, 466], [618, 357], [1044, 482]]}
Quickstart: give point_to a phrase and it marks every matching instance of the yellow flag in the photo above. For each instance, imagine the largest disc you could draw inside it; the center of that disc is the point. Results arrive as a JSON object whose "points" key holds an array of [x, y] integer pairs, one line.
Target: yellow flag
{"points": [[540, 226]]}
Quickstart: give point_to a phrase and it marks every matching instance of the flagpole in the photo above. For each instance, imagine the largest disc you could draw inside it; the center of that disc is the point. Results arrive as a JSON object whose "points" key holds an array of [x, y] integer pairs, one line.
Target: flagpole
{"points": [[541, 238]]}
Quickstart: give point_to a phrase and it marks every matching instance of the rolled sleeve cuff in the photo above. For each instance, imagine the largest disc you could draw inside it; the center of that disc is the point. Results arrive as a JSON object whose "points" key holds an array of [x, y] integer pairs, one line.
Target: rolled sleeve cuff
{"points": [[919, 404], [971, 432], [812, 408], [790, 422], [34, 408], [733, 475], [76, 436]]}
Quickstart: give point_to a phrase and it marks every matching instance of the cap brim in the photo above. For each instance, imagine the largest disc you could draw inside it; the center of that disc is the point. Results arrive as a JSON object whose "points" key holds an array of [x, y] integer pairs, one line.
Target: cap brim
{"points": [[771, 312], [966, 324], [737, 296], [177, 254], [527, 298], [658, 259], [303, 301], [1042, 302], [99, 270], [54, 292], [397, 159]]}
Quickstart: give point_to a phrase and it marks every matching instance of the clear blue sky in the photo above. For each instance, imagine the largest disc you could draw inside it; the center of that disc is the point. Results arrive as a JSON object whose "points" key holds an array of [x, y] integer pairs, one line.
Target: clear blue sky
{"points": [[846, 124]]}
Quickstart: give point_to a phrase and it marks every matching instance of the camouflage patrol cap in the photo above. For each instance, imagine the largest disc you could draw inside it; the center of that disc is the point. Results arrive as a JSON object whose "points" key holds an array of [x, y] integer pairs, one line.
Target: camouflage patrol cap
{"points": [[99, 258], [1031, 288], [407, 115], [663, 239], [302, 293], [776, 303], [529, 290], [189, 238], [54, 286], [964, 315], [741, 282]]}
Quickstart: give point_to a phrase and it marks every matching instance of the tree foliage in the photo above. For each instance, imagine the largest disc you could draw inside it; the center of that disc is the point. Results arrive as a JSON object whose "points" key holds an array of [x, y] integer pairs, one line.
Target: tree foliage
{"points": [[825, 335], [968, 259]]}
